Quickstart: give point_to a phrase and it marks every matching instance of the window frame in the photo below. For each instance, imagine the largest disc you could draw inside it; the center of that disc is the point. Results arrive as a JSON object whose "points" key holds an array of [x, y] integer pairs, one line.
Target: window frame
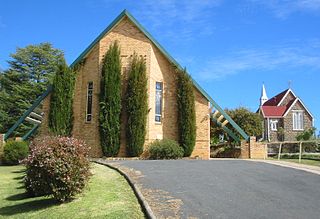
{"points": [[161, 102], [87, 116], [274, 124], [299, 116]]}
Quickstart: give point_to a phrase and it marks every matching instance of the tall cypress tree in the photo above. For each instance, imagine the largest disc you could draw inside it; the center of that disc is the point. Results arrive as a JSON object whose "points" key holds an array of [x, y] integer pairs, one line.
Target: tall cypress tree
{"points": [[61, 109], [110, 101], [186, 112], [136, 106]]}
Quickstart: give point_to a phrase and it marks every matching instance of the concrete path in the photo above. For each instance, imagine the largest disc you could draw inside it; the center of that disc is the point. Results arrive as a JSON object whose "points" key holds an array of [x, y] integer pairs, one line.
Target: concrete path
{"points": [[226, 189]]}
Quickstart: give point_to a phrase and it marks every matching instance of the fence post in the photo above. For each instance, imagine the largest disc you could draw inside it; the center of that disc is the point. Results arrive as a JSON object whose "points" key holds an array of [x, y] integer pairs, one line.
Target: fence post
{"points": [[300, 151], [279, 154], [1, 146], [265, 152]]}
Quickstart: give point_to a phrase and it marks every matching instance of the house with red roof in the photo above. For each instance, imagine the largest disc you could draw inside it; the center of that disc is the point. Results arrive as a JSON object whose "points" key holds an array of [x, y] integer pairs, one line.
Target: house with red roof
{"points": [[284, 116]]}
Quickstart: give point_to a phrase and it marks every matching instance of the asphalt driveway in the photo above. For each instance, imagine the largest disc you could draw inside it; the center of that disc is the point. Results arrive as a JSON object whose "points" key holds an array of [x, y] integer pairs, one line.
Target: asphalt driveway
{"points": [[232, 188]]}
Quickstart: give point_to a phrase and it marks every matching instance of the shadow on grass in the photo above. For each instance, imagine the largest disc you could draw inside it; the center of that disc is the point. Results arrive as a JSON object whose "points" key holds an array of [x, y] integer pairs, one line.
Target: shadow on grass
{"points": [[18, 197], [19, 171], [27, 207], [20, 187], [19, 177]]}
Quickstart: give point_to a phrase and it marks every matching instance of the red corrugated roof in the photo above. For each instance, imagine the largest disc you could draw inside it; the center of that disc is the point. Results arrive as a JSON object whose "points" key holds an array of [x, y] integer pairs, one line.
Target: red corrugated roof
{"points": [[274, 101], [273, 111], [270, 108]]}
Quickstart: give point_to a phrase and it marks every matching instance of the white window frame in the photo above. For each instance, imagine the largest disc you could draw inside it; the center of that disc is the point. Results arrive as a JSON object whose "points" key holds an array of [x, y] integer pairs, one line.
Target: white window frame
{"points": [[161, 105], [87, 102], [273, 124], [297, 120]]}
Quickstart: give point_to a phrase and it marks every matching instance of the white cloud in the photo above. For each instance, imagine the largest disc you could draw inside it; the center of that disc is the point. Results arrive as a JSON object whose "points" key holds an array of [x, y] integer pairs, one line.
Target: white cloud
{"points": [[178, 19], [246, 60], [284, 8]]}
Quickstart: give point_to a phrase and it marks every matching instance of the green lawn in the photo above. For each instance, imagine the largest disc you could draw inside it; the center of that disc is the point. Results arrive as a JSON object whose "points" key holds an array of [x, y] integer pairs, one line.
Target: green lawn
{"points": [[304, 161], [107, 196]]}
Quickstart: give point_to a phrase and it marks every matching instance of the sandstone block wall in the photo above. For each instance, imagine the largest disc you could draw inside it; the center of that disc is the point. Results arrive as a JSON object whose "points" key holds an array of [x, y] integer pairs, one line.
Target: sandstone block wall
{"points": [[257, 149], [253, 149], [290, 134], [245, 150]]}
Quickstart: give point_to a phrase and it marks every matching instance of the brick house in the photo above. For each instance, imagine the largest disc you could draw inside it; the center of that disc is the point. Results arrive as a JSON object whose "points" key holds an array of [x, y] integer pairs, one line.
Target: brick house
{"points": [[284, 116]]}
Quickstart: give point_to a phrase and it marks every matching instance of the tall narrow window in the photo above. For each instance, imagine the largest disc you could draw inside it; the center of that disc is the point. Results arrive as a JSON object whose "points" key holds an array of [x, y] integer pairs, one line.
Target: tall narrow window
{"points": [[297, 120], [89, 101], [159, 88]]}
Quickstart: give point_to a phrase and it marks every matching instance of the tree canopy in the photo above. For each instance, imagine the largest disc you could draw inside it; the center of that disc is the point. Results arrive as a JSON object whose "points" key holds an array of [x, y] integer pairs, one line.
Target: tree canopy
{"points": [[30, 71], [249, 121]]}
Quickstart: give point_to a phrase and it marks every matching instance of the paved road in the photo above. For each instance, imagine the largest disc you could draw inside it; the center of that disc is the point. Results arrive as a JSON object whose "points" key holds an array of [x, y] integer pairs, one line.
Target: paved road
{"points": [[233, 189]]}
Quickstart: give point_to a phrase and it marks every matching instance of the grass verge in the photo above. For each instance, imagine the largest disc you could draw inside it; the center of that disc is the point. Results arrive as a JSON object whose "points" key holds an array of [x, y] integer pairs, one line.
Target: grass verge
{"points": [[303, 161], [107, 196]]}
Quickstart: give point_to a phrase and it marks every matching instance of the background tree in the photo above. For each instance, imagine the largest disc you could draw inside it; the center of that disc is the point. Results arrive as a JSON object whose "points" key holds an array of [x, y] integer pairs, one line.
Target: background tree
{"points": [[250, 122], [110, 101], [30, 71], [186, 112], [136, 106], [61, 108]]}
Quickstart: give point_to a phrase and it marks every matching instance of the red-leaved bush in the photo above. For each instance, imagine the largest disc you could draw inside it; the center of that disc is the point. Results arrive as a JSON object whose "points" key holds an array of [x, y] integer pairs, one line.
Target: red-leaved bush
{"points": [[57, 166]]}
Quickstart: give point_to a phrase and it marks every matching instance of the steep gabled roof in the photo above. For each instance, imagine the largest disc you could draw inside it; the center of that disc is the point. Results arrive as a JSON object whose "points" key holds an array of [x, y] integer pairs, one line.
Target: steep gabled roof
{"points": [[293, 103], [273, 108], [124, 14], [274, 101]]}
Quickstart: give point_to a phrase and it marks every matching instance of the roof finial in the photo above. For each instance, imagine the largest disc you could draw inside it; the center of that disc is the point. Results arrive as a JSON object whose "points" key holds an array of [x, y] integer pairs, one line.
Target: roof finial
{"points": [[289, 84]]}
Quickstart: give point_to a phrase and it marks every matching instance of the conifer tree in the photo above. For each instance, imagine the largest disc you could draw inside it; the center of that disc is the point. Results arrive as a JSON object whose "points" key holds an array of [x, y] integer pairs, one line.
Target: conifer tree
{"points": [[136, 106], [186, 112], [61, 102], [110, 101], [31, 69]]}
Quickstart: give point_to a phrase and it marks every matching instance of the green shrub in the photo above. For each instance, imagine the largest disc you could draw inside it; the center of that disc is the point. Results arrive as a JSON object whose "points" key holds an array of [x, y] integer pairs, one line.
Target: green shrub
{"points": [[15, 151], [306, 134], [110, 102], [57, 166], [186, 112], [136, 106], [165, 149]]}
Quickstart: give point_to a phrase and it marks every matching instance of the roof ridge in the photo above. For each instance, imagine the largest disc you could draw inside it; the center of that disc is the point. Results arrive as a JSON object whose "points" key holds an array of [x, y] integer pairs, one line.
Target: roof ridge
{"points": [[125, 12]]}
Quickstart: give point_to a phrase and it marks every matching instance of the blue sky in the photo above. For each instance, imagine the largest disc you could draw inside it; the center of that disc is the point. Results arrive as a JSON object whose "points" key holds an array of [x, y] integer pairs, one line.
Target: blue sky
{"points": [[229, 47]]}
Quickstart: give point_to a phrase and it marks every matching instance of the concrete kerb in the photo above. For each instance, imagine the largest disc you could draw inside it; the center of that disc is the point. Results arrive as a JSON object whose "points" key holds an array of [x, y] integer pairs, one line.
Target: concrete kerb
{"points": [[142, 201], [303, 167]]}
